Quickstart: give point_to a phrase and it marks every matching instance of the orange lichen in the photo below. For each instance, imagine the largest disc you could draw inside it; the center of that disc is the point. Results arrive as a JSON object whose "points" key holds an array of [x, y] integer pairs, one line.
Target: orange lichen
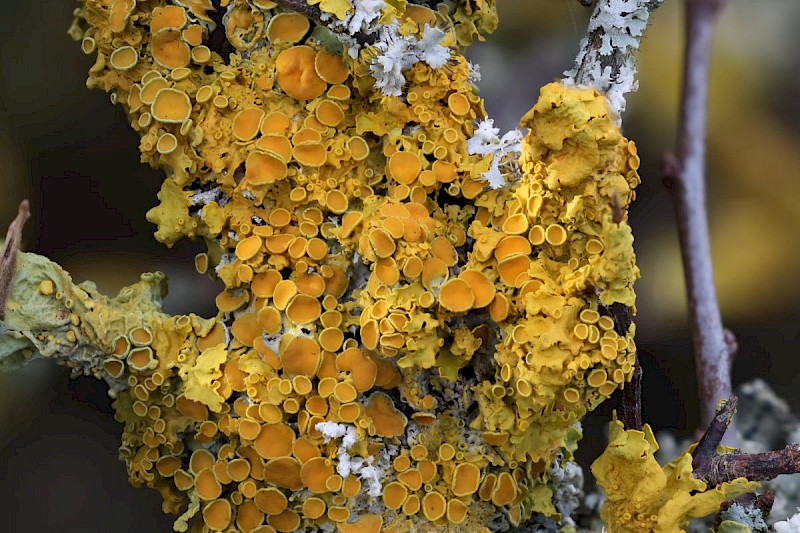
{"points": [[330, 68], [246, 123], [388, 421], [287, 28], [217, 515], [171, 106], [264, 168], [366, 265], [124, 58], [315, 474], [296, 75], [434, 506]]}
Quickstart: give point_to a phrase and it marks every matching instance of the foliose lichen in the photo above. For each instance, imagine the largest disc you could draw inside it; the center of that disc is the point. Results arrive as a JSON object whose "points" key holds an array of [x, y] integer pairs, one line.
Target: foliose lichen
{"points": [[407, 337]]}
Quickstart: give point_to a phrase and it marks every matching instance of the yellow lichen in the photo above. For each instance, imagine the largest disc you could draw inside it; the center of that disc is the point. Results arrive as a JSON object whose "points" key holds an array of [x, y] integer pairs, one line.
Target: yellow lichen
{"points": [[643, 496], [366, 264], [200, 379]]}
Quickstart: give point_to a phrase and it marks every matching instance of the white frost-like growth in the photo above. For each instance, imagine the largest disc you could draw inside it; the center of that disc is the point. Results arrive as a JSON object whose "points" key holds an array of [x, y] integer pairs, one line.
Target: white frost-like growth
{"points": [[486, 140], [398, 53], [790, 525], [202, 198], [365, 13], [474, 72], [225, 259], [620, 24], [359, 466]]}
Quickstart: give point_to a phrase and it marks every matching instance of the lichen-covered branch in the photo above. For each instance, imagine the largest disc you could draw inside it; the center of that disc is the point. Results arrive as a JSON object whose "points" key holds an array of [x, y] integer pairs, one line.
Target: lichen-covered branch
{"points": [[712, 353], [606, 60], [400, 342], [8, 254]]}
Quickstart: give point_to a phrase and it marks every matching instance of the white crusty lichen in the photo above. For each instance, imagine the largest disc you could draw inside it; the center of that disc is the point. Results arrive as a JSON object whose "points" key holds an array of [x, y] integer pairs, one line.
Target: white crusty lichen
{"points": [[365, 14], [395, 53], [486, 140], [748, 516], [369, 474], [606, 58], [398, 53]]}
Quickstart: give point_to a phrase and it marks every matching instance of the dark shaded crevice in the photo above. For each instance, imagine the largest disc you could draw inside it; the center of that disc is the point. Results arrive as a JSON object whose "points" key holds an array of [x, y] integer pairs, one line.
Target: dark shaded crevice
{"points": [[217, 40]]}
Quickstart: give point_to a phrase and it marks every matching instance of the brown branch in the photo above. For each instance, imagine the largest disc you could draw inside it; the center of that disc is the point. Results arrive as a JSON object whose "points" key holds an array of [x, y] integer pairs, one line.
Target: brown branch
{"points": [[315, 13], [716, 468], [754, 466], [687, 174], [706, 450], [8, 254], [628, 401]]}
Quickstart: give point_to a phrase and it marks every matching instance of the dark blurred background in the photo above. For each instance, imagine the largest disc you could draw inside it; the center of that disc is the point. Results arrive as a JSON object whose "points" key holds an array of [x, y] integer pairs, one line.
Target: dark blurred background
{"points": [[74, 155]]}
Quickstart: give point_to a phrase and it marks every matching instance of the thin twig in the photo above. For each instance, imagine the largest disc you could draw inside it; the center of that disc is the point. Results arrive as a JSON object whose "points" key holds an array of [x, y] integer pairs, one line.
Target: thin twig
{"points": [[8, 254], [712, 353], [706, 449], [754, 466]]}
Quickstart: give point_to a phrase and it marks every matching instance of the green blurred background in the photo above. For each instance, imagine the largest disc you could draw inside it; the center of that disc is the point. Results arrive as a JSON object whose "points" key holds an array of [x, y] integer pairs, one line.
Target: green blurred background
{"points": [[74, 155]]}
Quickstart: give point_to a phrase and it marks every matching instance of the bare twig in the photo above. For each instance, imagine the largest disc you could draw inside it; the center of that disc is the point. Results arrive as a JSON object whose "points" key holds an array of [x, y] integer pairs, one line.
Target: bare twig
{"points": [[754, 466], [628, 401], [706, 449], [687, 173], [8, 255]]}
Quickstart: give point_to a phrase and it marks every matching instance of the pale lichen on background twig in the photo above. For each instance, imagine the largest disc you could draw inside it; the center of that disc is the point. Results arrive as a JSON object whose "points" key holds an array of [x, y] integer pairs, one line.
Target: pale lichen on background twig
{"points": [[8, 254]]}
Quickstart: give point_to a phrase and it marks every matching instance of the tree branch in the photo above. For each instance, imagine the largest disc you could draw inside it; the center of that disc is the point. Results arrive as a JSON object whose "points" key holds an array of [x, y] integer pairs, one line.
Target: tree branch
{"points": [[716, 468], [8, 254], [754, 466], [706, 449], [712, 354], [628, 401], [606, 62], [606, 58]]}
